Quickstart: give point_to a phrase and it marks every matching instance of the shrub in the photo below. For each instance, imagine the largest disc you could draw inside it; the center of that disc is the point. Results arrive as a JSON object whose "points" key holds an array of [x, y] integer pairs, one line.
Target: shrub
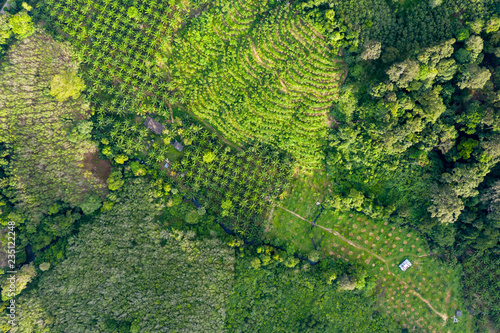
{"points": [[192, 217], [314, 256], [91, 204], [66, 85], [44, 266]]}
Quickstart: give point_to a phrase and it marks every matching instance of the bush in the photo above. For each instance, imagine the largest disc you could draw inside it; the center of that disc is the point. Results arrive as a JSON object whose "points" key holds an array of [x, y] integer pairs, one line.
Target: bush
{"points": [[44, 266], [91, 204], [192, 217], [66, 85], [21, 25], [314, 256], [462, 34]]}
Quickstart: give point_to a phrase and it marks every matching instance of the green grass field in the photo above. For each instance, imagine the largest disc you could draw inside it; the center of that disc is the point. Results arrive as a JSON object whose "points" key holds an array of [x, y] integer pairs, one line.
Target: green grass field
{"points": [[421, 297]]}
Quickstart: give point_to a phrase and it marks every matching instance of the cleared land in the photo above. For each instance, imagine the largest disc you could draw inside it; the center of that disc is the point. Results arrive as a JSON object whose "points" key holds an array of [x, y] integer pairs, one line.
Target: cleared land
{"points": [[426, 296]]}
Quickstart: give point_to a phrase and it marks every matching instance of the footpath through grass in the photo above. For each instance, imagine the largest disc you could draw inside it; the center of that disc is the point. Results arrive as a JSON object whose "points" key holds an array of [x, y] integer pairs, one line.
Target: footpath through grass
{"points": [[426, 296]]}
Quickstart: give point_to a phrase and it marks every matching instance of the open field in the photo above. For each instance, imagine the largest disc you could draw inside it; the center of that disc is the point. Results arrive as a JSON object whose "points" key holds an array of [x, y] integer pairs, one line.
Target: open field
{"points": [[426, 296]]}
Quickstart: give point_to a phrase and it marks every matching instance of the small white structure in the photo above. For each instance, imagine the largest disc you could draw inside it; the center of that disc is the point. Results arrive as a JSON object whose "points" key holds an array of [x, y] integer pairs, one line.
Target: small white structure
{"points": [[405, 265]]}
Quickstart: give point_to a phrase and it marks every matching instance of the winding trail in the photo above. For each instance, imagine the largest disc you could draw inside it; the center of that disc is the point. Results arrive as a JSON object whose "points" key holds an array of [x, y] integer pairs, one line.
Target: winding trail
{"points": [[2, 11], [443, 316]]}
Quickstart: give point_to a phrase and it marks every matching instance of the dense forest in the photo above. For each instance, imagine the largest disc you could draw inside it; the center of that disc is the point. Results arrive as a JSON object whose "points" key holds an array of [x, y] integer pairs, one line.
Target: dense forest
{"points": [[249, 166]]}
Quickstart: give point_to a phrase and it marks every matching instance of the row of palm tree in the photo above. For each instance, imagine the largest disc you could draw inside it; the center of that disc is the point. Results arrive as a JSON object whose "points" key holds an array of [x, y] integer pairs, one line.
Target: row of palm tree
{"points": [[252, 180]]}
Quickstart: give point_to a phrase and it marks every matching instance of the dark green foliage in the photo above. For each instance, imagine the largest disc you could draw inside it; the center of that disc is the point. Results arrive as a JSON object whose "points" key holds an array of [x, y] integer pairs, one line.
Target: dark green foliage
{"points": [[278, 299], [124, 272], [481, 276]]}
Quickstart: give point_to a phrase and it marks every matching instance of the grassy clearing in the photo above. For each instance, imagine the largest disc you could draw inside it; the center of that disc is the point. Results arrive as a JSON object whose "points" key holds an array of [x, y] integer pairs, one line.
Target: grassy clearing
{"points": [[302, 198], [173, 154], [405, 296], [306, 192]]}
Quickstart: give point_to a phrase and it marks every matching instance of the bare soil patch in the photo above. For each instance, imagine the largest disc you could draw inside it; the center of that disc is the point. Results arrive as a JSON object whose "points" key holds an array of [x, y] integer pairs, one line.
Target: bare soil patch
{"points": [[99, 168]]}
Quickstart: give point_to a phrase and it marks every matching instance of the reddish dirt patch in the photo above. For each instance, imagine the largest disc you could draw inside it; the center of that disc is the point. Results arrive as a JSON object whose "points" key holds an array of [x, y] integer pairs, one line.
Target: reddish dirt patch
{"points": [[99, 168]]}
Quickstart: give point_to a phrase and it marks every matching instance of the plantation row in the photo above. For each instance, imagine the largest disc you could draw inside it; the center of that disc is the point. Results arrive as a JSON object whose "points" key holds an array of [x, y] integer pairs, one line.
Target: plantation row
{"points": [[265, 76], [238, 187], [122, 46]]}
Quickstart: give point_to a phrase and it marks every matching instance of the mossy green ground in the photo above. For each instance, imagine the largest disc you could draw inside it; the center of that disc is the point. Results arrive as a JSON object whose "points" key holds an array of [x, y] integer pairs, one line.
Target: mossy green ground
{"points": [[380, 247]]}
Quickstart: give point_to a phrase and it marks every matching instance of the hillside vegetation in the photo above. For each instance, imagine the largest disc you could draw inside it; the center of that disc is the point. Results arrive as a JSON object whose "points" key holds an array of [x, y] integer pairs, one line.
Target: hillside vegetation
{"points": [[249, 165]]}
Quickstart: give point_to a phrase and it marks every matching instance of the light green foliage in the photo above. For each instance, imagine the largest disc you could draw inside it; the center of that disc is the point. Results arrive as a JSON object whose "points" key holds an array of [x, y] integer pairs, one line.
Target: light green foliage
{"points": [[466, 147], [372, 50], [21, 25], [54, 209], [474, 45], [492, 25], [435, 3], [403, 73], [140, 170], [208, 157], [275, 75], [227, 204], [192, 217], [256, 263], [465, 178], [201, 211], [133, 13], [44, 266], [26, 6], [446, 205], [314, 256], [446, 69], [346, 282], [120, 159], [176, 280], [474, 77], [107, 151], [5, 29], [476, 26], [20, 281], [115, 180], [66, 85], [291, 262], [81, 132]]}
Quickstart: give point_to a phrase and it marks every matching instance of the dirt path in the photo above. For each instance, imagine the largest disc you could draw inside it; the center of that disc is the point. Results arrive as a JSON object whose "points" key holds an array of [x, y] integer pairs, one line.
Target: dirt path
{"points": [[443, 316], [338, 235], [2, 11], [266, 229]]}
